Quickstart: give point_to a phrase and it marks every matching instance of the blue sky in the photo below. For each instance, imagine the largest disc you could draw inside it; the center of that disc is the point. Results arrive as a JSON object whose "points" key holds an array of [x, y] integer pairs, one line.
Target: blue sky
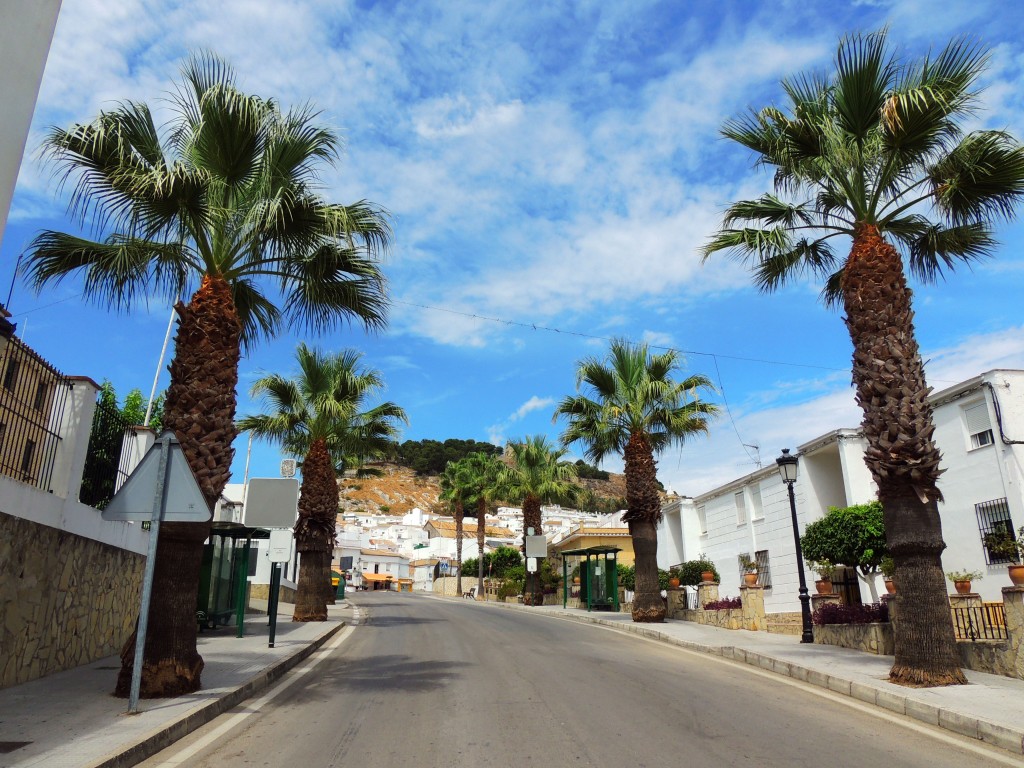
{"points": [[552, 169]]}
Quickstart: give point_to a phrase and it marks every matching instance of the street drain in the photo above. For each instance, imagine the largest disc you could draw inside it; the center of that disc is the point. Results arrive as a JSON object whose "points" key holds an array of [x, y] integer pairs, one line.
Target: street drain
{"points": [[6, 747]]}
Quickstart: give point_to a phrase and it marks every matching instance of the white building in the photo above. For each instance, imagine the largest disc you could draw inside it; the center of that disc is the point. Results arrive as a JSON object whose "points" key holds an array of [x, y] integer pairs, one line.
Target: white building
{"points": [[979, 428]]}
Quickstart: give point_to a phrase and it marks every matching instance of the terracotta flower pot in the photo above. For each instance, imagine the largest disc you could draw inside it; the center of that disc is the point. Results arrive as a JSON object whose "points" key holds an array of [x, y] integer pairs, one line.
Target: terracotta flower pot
{"points": [[750, 579], [707, 575], [890, 586], [962, 587], [824, 586], [1016, 572], [575, 579], [673, 583]]}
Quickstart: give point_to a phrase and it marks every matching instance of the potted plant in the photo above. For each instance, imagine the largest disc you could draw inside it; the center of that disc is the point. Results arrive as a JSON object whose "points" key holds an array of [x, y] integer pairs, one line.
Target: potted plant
{"points": [[749, 566], [673, 577], [888, 568], [1002, 544], [708, 571], [962, 580], [824, 569]]}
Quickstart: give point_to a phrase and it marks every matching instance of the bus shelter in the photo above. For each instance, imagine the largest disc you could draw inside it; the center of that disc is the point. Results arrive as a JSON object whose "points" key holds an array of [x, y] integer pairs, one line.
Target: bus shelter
{"points": [[599, 577], [223, 578]]}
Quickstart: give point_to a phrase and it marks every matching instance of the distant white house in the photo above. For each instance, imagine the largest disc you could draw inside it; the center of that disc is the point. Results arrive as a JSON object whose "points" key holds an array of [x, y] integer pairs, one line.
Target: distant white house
{"points": [[979, 428]]}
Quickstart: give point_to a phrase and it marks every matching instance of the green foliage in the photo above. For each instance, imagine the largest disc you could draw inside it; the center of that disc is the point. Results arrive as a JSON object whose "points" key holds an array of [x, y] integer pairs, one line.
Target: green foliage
{"points": [[501, 560], [853, 536], [133, 409], [748, 564], [887, 566], [429, 457], [590, 472], [690, 571], [663, 577], [824, 568], [385, 508], [627, 576], [963, 575], [469, 567]]}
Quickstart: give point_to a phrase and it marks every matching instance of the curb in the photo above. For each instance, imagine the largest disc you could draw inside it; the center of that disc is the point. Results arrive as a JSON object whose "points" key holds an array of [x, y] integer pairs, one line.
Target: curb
{"points": [[165, 735], [1003, 737]]}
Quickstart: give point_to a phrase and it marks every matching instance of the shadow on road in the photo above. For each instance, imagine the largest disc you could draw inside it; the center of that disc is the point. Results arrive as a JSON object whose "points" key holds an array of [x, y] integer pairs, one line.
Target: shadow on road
{"points": [[386, 673]]}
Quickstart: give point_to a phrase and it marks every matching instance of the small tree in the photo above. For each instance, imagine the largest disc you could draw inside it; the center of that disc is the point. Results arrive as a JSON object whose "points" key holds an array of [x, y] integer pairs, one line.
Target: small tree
{"points": [[853, 536]]}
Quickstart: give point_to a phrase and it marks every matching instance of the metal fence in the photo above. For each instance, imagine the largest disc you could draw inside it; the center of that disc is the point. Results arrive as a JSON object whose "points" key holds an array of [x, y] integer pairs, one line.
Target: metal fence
{"points": [[33, 395], [984, 622], [104, 462]]}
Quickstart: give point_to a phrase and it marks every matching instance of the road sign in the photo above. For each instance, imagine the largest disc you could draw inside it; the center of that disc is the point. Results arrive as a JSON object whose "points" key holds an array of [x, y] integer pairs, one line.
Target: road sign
{"points": [[184, 502], [281, 545], [271, 502], [536, 546]]}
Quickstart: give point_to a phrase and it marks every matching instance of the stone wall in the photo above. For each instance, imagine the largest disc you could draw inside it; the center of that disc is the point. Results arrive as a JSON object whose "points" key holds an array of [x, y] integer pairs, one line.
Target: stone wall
{"points": [[64, 600], [874, 638]]}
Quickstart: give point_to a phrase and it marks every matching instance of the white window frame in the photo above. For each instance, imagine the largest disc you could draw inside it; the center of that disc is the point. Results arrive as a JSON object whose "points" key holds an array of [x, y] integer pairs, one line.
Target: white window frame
{"points": [[756, 503], [740, 502], [978, 425], [702, 519]]}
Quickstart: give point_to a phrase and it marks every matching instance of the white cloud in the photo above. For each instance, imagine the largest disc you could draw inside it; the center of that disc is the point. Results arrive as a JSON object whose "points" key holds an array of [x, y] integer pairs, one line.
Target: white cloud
{"points": [[533, 404]]}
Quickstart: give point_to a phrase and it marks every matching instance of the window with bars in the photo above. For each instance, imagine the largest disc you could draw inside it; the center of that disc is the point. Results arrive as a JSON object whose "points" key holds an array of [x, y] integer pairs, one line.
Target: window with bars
{"points": [[764, 568], [979, 426], [741, 508], [995, 525]]}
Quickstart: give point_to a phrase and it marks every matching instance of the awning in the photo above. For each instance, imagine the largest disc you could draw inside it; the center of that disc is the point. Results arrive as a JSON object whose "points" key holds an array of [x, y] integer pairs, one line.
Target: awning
{"points": [[378, 577]]}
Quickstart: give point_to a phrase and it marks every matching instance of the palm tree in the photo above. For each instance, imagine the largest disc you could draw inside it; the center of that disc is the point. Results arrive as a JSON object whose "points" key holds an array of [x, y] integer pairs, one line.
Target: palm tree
{"points": [[637, 410], [455, 489], [224, 197], [534, 474], [482, 470], [877, 153], [318, 418]]}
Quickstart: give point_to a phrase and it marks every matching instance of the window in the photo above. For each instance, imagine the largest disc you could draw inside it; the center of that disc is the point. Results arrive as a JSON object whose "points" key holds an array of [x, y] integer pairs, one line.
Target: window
{"points": [[26, 456], [764, 568], [979, 427], [702, 519], [741, 508], [995, 524], [756, 506], [40, 396], [11, 375]]}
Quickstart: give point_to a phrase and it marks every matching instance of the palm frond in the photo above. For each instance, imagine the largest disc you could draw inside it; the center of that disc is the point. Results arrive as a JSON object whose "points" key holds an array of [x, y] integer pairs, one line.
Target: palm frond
{"points": [[982, 178]]}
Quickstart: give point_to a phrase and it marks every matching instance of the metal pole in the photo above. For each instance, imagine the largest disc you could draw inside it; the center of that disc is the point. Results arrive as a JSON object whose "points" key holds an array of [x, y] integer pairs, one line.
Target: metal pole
{"points": [[159, 365], [275, 585], [805, 599], [147, 582], [242, 573]]}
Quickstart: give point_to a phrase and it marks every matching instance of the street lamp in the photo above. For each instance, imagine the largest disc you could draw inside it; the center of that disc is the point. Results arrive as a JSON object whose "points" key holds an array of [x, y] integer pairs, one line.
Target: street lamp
{"points": [[787, 470]]}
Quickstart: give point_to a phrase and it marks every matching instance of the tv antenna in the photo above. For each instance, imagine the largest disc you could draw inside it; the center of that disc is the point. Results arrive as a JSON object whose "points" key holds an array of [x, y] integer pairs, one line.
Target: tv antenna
{"points": [[757, 452]]}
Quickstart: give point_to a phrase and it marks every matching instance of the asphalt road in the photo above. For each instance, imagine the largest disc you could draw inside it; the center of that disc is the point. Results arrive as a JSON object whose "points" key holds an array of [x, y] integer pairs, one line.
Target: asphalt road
{"points": [[426, 682]]}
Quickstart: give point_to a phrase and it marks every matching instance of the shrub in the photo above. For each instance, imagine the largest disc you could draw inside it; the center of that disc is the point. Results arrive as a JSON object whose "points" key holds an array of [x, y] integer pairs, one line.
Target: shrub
{"points": [[725, 604], [833, 613], [627, 576], [690, 571]]}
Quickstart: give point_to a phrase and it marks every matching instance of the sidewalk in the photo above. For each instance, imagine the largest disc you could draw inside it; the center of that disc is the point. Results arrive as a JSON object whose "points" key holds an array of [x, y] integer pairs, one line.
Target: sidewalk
{"points": [[70, 719], [990, 709]]}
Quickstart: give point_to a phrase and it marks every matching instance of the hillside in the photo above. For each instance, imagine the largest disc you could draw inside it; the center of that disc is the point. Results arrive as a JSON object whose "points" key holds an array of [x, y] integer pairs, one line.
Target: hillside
{"points": [[399, 489]]}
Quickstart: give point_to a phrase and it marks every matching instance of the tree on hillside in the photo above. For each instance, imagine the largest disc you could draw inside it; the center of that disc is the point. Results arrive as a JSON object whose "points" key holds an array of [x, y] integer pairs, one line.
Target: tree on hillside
{"points": [[430, 457], [456, 487], [222, 204], [482, 470], [877, 154], [853, 536], [321, 418], [535, 475], [637, 410]]}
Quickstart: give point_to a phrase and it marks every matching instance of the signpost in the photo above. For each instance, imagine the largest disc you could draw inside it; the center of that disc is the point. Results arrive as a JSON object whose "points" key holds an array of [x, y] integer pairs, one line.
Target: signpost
{"points": [[165, 485], [273, 503]]}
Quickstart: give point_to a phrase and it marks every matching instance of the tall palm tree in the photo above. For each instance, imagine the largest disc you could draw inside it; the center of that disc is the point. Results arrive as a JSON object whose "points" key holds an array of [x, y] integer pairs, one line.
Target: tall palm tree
{"points": [[455, 489], [482, 469], [877, 153], [534, 474], [320, 417], [637, 410], [224, 197]]}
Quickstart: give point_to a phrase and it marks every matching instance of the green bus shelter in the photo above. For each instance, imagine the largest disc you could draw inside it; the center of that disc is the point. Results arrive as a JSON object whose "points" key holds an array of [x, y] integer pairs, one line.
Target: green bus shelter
{"points": [[599, 577]]}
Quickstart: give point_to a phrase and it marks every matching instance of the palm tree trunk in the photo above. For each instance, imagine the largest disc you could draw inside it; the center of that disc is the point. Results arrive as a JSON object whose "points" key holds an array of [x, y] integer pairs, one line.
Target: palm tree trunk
{"points": [[642, 515], [458, 547], [481, 532], [200, 409], [901, 455], [532, 594], [314, 532]]}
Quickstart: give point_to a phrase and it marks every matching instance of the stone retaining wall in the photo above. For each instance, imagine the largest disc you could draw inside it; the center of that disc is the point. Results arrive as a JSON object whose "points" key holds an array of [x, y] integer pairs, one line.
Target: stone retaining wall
{"points": [[64, 600], [871, 638]]}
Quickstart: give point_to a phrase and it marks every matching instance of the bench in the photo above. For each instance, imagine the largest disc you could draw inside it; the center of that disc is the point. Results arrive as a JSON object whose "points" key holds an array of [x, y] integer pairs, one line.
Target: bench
{"points": [[471, 594]]}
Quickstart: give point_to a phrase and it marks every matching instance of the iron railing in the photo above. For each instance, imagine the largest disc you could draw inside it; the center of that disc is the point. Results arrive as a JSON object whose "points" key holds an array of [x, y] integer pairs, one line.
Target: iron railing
{"points": [[982, 622], [994, 523], [104, 462], [33, 395]]}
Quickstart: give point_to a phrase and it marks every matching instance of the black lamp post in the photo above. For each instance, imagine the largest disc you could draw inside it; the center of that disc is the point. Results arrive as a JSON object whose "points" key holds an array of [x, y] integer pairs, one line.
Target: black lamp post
{"points": [[787, 469]]}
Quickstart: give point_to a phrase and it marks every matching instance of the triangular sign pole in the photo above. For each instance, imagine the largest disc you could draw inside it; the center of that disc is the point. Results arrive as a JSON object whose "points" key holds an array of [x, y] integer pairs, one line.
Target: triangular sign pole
{"points": [[159, 502]]}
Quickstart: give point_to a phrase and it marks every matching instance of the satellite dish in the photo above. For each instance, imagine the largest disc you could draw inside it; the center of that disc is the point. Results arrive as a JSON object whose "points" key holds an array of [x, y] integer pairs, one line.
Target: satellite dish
{"points": [[288, 468]]}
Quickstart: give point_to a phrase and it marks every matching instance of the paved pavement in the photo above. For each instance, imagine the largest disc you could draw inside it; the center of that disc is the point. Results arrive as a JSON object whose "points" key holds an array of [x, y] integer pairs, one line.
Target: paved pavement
{"points": [[69, 719]]}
